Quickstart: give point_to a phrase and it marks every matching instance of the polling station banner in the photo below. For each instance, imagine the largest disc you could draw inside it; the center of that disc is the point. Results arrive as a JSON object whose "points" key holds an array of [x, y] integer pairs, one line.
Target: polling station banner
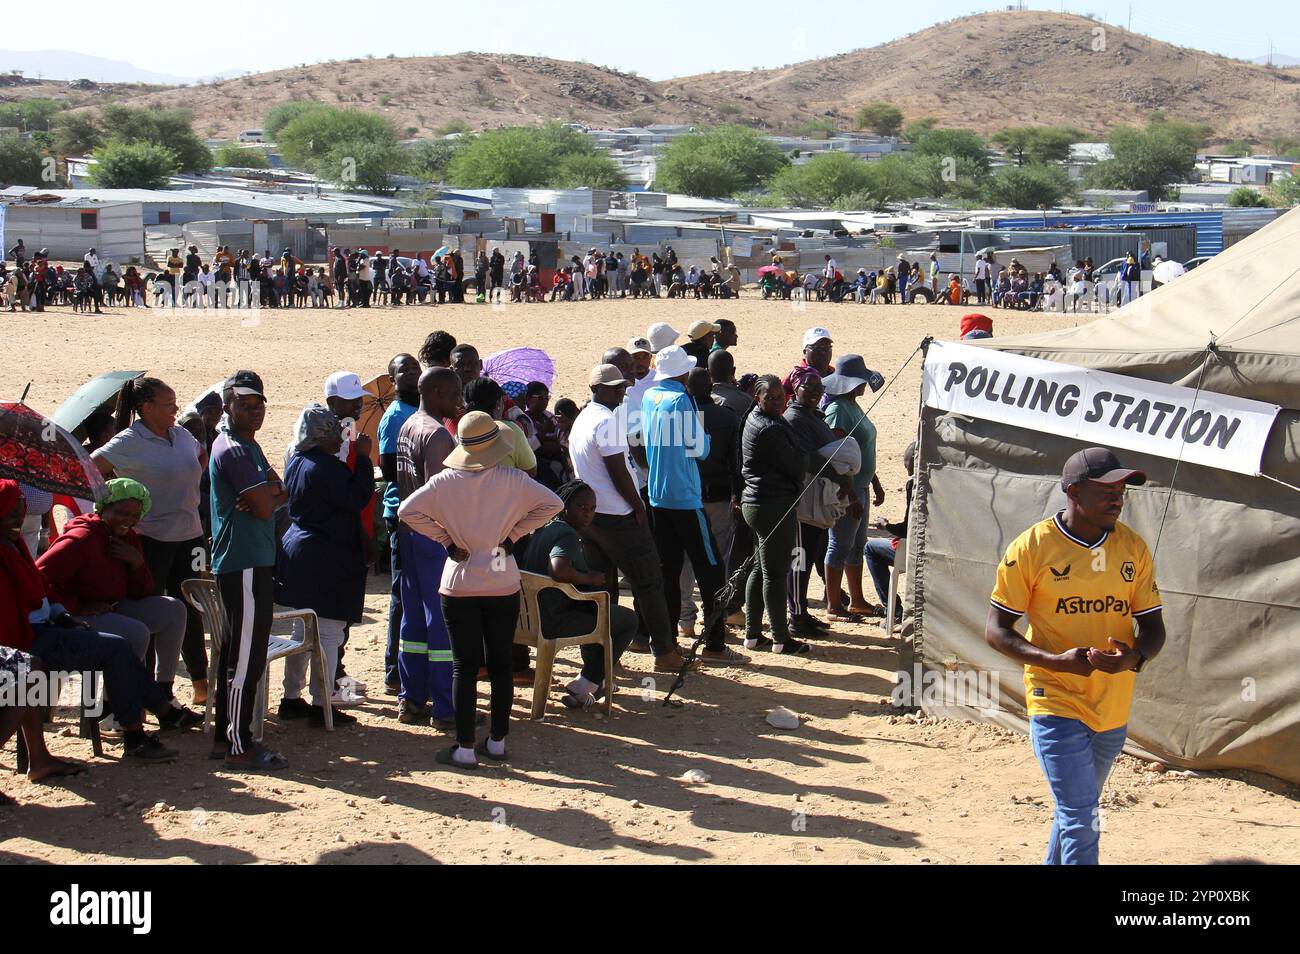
{"points": [[1098, 407]]}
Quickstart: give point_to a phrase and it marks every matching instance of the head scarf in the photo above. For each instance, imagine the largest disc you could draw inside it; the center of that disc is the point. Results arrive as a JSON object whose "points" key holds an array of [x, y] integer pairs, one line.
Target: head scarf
{"points": [[124, 488], [9, 496], [317, 426]]}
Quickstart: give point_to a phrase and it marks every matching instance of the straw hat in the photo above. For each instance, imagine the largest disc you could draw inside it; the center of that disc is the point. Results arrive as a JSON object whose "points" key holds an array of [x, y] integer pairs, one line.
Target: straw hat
{"points": [[482, 443]]}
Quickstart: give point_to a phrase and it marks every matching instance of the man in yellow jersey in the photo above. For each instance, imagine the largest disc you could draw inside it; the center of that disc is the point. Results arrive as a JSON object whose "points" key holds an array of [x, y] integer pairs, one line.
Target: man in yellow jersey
{"points": [[1083, 579]]}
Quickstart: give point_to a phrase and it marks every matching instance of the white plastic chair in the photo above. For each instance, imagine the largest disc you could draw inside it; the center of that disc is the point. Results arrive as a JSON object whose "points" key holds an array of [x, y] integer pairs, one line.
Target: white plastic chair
{"points": [[900, 562], [528, 632], [204, 596]]}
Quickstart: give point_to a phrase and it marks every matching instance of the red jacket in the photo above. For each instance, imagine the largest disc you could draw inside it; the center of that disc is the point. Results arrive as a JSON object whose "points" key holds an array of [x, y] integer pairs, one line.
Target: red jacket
{"points": [[79, 570]]}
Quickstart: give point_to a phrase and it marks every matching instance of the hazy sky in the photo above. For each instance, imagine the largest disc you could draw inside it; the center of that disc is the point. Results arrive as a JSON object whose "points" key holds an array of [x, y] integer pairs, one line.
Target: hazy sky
{"points": [[656, 38]]}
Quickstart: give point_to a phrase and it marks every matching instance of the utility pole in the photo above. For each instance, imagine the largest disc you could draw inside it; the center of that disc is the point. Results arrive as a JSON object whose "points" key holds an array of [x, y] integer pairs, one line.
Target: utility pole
{"points": [[1130, 18]]}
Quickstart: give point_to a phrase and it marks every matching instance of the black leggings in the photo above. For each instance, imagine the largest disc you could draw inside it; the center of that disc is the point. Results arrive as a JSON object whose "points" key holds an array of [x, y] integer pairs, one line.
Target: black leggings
{"points": [[170, 565], [482, 629]]}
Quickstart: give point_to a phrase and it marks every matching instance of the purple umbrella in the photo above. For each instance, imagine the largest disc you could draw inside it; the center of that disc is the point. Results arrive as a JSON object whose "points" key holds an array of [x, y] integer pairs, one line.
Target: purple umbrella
{"points": [[520, 364]]}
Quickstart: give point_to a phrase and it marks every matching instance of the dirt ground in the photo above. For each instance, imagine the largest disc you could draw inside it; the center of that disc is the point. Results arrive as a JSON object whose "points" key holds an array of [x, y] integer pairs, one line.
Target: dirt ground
{"points": [[855, 782]]}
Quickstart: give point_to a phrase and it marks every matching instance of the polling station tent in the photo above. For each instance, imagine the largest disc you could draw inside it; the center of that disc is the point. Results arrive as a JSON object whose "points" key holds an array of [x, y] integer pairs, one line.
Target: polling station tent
{"points": [[1197, 384]]}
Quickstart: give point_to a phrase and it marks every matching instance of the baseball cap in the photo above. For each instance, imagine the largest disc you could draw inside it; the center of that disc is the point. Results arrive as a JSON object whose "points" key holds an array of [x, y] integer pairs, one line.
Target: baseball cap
{"points": [[641, 345], [242, 384], [344, 384], [814, 335], [1100, 465], [661, 335], [606, 374], [699, 329]]}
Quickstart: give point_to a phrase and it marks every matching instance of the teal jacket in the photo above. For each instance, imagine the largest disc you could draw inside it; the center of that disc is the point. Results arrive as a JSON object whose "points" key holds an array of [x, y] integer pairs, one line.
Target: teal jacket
{"points": [[675, 441]]}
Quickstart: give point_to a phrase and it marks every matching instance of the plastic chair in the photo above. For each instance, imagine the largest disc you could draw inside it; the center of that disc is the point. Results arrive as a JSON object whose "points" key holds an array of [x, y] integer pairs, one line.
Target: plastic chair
{"points": [[900, 562], [528, 632], [204, 596]]}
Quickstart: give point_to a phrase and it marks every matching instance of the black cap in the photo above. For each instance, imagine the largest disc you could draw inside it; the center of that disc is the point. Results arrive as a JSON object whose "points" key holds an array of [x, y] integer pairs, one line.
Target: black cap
{"points": [[242, 384], [1100, 465]]}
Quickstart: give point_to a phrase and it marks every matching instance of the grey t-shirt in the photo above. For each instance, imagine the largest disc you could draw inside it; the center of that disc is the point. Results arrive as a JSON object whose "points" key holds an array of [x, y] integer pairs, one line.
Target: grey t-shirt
{"points": [[170, 469]]}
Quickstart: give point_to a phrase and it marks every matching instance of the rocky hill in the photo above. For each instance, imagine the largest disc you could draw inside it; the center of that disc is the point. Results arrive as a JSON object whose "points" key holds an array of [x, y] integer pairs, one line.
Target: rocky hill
{"points": [[982, 72]]}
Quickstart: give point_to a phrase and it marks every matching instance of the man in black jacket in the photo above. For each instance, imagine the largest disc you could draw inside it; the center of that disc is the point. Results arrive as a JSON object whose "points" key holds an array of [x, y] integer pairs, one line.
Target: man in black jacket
{"points": [[720, 484]]}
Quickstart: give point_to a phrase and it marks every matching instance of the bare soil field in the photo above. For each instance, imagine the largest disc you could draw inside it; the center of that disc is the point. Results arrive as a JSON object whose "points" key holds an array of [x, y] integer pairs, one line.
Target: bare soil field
{"points": [[856, 782]]}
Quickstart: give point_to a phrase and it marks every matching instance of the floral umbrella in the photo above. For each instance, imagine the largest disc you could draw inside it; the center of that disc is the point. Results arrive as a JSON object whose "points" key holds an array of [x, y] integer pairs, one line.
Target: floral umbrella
{"points": [[37, 452]]}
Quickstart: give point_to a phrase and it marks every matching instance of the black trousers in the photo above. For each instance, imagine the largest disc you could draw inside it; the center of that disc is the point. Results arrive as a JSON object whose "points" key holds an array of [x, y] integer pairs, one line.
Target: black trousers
{"points": [[248, 596], [810, 550], [685, 533], [482, 630], [170, 565]]}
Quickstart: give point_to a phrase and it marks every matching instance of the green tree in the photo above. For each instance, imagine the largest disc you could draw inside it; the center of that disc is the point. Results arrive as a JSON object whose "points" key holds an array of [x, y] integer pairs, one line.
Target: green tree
{"points": [[169, 128], [30, 115], [718, 161], [954, 143], [282, 114], [133, 165], [454, 126], [823, 180], [819, 128], [318, 137], [1238, 147], [1246, 198], [429, 158], [883, 119], [1285, 192], [1285, 146], [1149, 159], [500, 158], [1037, 144], [596, 171], [21, 162], [76, 134], [235, 156], [890, 179], [1027, 187], [948, 177], [362, 165], [918, 128]]}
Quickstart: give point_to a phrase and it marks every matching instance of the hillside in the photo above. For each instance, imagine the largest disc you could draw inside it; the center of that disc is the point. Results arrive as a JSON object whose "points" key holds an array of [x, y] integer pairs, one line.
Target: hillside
{"points": [[993, 70], [983, 72]]}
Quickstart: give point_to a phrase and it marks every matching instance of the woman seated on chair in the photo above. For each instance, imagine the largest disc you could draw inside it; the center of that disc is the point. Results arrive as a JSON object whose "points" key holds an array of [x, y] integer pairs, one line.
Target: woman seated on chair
{"points": [[30, 621], [556, 551], [97, 569], [320, 563]]}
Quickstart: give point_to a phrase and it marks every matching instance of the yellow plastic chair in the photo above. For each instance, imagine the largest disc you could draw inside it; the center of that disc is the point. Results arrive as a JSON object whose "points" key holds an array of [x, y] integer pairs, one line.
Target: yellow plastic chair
{"points": [[528, 632]]}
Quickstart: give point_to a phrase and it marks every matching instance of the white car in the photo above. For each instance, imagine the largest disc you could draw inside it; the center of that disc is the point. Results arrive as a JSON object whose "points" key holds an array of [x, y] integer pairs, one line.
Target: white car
{"points": [[251, 135]]}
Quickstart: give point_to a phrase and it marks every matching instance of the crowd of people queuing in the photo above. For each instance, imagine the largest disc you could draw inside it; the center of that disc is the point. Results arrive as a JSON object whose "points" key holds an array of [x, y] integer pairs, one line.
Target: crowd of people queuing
{"points": [[351, 278], [669, 474]]}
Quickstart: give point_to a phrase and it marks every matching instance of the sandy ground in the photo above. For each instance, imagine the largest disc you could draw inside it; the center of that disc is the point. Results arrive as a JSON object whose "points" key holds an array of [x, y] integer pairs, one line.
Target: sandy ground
{"points": [[856, 781]]}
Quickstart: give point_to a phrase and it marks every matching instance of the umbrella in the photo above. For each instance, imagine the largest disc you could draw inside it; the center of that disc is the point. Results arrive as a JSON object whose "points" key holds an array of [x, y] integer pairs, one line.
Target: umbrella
{"points": [[380, 393], [520, 364], [770, 270], [99, 393], [215, 389], [442, 250], [1166, 272], [36, 451]]}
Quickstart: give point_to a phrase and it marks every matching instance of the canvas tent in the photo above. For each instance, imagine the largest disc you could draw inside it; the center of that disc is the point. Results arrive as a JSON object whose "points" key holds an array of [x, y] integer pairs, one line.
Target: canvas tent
{"points": [[1225, 693]]}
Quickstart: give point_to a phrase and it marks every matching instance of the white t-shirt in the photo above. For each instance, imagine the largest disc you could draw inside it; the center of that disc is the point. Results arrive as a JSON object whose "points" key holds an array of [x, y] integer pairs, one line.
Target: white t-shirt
{"points": [[597, 433], [829, 270], [632, 402]]}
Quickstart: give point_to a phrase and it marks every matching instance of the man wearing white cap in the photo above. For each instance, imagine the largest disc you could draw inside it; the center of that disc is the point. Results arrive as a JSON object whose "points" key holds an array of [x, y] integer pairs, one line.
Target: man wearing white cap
{"points": [[674, 440], [642, 351], [817, 353]]}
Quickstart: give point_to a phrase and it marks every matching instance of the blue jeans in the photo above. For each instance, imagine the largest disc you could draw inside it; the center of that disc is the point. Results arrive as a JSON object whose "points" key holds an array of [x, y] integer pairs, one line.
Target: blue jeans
{"points": [[848, 536], [1076, 761], [879, 554]]}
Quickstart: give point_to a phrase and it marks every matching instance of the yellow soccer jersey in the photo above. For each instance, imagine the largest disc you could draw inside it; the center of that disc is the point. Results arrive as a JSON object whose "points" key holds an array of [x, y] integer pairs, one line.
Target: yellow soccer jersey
{"points": [[1077, 595]]}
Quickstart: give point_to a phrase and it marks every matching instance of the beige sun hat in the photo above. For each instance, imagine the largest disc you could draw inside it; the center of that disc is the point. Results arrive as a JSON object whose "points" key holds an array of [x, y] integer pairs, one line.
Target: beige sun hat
{"points": [[482, 443]]}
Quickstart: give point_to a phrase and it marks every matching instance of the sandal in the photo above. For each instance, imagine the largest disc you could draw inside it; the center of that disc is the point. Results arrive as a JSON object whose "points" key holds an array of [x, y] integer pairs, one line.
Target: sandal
{"points": [[445, 757], [868, 611], [259, 760], [843, 615], [482, 749]]}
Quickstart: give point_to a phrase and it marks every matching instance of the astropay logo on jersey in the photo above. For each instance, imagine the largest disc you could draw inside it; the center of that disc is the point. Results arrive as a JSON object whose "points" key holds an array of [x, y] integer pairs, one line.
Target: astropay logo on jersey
{"points": [[75, 907]]}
